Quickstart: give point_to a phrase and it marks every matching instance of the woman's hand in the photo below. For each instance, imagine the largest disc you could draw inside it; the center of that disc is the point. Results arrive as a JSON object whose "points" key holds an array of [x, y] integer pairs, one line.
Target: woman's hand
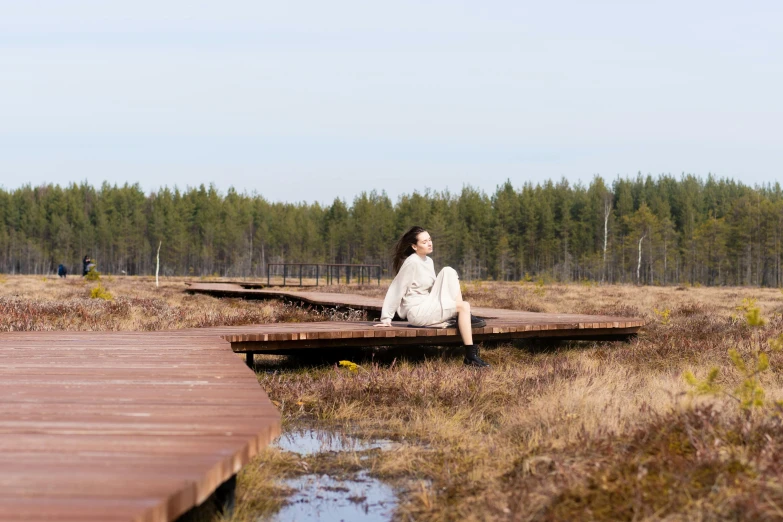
{"points": [[382, 325]]}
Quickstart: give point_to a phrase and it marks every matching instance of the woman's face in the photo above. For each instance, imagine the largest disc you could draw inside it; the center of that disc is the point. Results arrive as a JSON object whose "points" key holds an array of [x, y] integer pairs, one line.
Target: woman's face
{"points": [[423, 244]]}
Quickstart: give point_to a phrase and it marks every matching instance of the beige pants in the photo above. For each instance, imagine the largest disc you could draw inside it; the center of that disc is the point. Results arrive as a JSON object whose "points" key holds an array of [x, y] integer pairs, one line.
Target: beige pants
{"points": [[441, 304]]}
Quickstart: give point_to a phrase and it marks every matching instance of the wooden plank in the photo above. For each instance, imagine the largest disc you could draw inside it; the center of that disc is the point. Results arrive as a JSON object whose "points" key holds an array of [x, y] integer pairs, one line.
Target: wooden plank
{"points": [[123, 426], [334, 334]]}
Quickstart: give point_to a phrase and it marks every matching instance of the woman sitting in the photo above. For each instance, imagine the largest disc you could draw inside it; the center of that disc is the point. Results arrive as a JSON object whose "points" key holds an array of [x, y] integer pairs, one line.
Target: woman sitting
{"points": [[424, 299]]}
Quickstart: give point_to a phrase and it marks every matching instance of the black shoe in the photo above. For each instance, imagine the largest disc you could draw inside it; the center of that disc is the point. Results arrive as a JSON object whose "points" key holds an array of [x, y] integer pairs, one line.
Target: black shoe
{"points": [[472, 357], [475, 322]]}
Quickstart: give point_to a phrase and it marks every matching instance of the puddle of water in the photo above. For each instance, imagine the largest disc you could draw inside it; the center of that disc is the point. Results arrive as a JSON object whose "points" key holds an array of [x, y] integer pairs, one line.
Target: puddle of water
{"points": [[321, 497], [309, 442]]}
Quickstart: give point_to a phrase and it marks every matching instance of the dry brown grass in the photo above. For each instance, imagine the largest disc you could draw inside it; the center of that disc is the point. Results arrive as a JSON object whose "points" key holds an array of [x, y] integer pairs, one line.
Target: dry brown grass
{"points": [[583, 431], [579, 431], [29, 303]]}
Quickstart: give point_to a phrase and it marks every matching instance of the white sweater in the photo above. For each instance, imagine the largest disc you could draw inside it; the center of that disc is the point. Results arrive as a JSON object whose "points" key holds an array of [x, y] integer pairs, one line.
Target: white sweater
{"points": [[411, 286]]}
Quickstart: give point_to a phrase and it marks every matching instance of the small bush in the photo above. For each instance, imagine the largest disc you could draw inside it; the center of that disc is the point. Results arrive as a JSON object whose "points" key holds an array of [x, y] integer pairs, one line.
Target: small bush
{"points": [[663, 315], [752, 312], [750, 393], [101, 293], [93, 274]]}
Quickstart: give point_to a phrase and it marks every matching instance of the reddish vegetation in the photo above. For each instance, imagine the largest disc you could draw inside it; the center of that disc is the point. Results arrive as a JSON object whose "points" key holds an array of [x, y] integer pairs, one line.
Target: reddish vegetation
{"points": [[30, 303]]}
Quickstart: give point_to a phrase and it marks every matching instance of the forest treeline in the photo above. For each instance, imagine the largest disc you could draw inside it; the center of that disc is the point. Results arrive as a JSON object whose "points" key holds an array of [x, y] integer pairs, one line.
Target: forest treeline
{"points": [[646, 230]]}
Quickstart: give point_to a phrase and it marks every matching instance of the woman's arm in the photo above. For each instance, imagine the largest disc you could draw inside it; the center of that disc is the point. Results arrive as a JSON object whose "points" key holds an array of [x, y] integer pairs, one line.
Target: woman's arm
{"points": [[396, 292]]}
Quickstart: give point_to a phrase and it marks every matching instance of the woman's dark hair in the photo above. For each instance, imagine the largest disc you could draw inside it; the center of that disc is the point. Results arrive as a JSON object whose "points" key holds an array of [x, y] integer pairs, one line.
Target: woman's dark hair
{"points": [[404, 247]]}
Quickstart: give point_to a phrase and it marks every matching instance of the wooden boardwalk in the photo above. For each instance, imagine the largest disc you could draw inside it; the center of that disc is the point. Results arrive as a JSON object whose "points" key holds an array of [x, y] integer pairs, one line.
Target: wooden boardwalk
{"points": [[124, 426], [501, 324]]}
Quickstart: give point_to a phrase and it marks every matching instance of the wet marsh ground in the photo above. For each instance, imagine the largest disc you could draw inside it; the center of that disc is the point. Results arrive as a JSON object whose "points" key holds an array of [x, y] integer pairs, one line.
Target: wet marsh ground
{"points": [[572, 431]]}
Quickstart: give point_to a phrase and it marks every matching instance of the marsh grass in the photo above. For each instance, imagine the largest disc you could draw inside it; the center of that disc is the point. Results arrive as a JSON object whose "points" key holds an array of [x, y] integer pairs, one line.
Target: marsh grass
{"points": [[579, 431], [575, 431], [28, 303]]}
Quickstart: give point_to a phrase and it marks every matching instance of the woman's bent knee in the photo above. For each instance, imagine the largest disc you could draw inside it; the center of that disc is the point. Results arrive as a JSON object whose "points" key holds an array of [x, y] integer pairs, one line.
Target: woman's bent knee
{"points": [[448, 271], [463, 306]]}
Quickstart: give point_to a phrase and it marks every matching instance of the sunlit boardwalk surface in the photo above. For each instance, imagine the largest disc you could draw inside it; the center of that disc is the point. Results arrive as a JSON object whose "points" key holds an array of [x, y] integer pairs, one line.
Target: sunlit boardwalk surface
{"points": [[123, 426], [501, 324]]}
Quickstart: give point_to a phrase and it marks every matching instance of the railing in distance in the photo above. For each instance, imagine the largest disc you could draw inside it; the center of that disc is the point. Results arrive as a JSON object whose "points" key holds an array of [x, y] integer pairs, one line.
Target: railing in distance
{"points": [[330, 273]]}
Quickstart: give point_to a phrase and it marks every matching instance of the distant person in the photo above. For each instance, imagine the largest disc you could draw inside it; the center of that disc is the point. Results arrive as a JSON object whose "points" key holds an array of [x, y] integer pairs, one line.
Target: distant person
{"points": [[87, 264], [62, 271], [424, 299]]}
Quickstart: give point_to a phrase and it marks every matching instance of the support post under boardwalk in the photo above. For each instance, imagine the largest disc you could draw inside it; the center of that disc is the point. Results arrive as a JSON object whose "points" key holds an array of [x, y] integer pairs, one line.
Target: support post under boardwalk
{"points": [[250, 360], [225, 496]]}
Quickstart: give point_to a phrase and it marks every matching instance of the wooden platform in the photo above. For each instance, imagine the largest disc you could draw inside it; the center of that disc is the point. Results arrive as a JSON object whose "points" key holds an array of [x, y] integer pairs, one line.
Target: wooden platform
{"points": [[501, 324], [123, 426]]}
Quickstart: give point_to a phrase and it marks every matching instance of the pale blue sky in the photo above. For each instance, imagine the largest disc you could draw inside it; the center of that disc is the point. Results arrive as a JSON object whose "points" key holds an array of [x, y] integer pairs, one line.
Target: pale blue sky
{"points": [[305, 100]]}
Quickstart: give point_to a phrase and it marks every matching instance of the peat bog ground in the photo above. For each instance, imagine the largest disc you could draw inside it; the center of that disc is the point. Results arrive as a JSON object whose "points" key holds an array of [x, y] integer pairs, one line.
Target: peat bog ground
{"points": [[569, 431]]}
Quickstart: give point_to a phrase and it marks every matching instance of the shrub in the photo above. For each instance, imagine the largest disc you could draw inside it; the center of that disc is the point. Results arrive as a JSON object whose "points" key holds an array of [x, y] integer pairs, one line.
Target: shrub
{"points": [[749, 393], [93, 274], [100, 293], [752, 312], [540, 290], [663, 315]]}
